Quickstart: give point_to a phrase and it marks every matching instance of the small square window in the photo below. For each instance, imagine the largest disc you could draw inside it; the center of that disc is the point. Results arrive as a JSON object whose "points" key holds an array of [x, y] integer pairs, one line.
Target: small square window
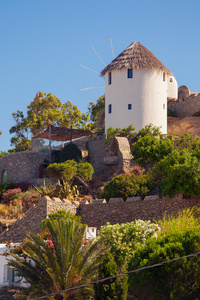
{"points": [[109, 78], [129, 106], [163, 106], [109, 108], [130, 73], [171, 79]]}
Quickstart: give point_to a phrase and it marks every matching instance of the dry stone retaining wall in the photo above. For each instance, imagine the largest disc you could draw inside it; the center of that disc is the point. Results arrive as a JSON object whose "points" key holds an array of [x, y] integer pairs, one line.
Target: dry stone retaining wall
{"points": [[186, 107], [99, 212], [117, 211], [33, 217]]}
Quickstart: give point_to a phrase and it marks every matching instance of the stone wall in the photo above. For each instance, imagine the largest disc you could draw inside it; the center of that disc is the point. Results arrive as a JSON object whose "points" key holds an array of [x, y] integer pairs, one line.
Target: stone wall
{"points": [[33, 217], [115, 211], [21, 165], [187, 104], [98, 212], [96, 152]]}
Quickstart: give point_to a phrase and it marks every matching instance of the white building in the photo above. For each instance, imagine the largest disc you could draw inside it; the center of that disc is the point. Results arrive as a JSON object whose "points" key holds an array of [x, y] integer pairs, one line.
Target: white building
{"points": [[137, 88], [8, 276]]}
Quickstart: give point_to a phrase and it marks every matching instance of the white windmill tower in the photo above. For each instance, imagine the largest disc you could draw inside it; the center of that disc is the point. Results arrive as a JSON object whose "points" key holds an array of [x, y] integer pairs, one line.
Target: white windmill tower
{"points": [[137, 88]]}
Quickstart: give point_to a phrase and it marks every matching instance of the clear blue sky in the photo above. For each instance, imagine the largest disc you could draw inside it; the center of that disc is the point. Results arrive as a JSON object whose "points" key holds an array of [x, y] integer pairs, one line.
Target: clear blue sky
{"points": [[43, 41]]}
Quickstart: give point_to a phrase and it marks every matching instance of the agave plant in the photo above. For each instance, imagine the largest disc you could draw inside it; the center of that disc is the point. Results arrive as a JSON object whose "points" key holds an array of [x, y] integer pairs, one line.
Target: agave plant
{"points": [[61, 190]]}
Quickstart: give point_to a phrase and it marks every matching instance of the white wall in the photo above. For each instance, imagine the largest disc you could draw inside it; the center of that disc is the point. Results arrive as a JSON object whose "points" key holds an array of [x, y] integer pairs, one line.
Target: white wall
{"points": [[3, 262], [172, 88], [146, 91]]}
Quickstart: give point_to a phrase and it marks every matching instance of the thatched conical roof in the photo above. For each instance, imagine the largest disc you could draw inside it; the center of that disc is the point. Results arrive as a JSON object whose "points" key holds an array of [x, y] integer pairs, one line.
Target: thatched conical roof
{"points": [[135, 57]]}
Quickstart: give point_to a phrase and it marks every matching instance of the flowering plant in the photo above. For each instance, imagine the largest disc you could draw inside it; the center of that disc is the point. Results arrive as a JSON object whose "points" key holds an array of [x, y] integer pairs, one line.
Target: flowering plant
{"points": [[125, 238], [11, 195]]}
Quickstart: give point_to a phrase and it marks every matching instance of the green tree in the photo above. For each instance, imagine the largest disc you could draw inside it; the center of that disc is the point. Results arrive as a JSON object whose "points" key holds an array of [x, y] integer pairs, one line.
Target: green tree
{"points": [[95, 108], [44, 110], [60, 261], [72, 117]]}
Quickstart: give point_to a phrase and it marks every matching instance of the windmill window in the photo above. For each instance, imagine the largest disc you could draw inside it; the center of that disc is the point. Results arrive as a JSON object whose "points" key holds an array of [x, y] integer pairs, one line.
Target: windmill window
{"points": [[130, 73], [129, 106], [164, 76], [171, 79], [109, 108], [163, 106], [109, 78]]}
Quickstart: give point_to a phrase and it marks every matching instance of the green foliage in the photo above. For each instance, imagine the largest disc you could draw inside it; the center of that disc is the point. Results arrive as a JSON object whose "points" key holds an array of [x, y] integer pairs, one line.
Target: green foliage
{"points": [[62, 191], [60, 260], [179, 172], [177, 280], [149, 130], [123, 239], [128, 132], [58, 215], [149, 148], [123, 186], [95, 108], [69, 169], [2, 153], [45, 110], [63, 171], [115, 288], [188, 218], [85, 170]]}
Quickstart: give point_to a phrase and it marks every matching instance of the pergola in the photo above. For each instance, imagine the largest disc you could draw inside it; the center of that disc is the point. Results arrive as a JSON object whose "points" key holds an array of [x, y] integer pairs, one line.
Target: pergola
{"points": [[53, 133]]}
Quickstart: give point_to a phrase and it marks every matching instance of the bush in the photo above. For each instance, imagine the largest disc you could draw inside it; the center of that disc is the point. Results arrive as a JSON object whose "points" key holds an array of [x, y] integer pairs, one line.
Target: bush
{"points": [[176, 280], [123, 239], [179, 172], [11, 195], [123, 186], [63, 171], [113, 289], [24, 186], [85, 170], [70, 168]]}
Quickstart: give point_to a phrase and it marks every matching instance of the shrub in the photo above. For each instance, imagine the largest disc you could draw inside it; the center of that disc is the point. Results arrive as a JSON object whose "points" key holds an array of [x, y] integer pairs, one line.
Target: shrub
{"points": [[85, 170], [10, 196], [115, 288], [123, 239], [63, 171], [179, 172], [127, 186], [176, 280]]}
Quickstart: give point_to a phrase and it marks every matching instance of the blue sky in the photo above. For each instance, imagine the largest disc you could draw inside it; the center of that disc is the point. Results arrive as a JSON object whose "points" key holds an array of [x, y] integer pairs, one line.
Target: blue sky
{"points": [[43, 41]]}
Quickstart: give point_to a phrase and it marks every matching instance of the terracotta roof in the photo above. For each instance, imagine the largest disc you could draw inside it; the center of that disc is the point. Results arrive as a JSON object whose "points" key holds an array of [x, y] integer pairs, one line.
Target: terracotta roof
{"points": [[62, 134], [136, 56]]}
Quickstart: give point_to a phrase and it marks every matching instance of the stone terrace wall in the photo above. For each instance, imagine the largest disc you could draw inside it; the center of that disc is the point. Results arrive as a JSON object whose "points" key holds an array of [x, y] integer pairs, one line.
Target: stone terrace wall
{"points": [[33, 217], [115, 211], [21, 165], [188, 106]]}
